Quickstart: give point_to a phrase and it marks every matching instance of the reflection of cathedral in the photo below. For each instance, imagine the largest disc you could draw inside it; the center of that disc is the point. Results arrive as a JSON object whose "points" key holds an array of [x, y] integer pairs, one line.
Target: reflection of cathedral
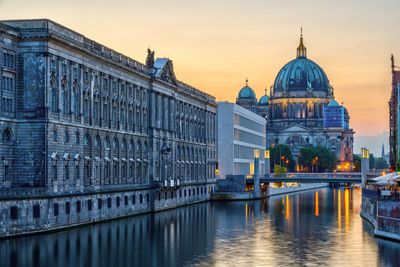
{"points": [[301, 110]]}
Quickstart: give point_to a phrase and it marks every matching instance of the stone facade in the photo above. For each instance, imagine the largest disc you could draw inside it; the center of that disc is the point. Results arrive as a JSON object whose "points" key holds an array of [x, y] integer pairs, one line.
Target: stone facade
{"points": [[80, 118]]}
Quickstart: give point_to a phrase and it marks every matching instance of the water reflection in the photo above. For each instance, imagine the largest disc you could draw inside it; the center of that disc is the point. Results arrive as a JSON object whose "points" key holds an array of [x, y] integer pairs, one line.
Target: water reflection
{"points": [[320, 227]]}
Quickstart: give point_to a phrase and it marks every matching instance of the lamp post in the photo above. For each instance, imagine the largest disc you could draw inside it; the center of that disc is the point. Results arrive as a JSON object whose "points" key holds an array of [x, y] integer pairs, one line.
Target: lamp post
{"points": [[267, 161], [364, 165]]}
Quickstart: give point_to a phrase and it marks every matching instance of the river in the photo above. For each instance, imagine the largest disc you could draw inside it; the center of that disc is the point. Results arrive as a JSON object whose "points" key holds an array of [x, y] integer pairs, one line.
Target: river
{"points": [[312, 228]]}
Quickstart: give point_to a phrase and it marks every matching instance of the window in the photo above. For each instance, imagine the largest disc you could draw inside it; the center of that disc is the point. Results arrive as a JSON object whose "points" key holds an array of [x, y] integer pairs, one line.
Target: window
{"points": [[66, 172], [96, 111], [7, 104], [77, 138], [36, 211], [77, 172], [87, 141], [66, 137], [99, 202], [8, 83], [67, 208], [7, 135], [126, 200], [118, 201], [55, 171], [78, 206], [8, 60], [133, 199], [109, 202], [13, 212], [90, 204], [55, 209], [141, 198], [54, 135]]}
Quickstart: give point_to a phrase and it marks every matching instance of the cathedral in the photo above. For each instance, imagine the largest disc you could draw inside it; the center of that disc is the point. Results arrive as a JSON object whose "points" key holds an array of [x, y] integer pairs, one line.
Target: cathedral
{"points": [[301, 110]]}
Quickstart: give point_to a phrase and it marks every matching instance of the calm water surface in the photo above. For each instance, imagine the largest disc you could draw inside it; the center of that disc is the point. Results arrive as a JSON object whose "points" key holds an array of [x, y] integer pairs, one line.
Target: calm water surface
{"points": [[313, 228]]}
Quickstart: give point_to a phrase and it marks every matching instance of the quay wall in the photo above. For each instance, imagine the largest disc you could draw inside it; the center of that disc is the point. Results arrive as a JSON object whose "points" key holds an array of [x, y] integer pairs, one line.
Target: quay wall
{"points": [[382, 213], [272, 191], [29, 214]]}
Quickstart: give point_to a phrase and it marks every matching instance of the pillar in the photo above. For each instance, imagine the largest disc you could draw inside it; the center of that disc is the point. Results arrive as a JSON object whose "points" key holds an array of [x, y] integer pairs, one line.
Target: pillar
{"points": [[267, 162], [256, 172], [364, 165]]}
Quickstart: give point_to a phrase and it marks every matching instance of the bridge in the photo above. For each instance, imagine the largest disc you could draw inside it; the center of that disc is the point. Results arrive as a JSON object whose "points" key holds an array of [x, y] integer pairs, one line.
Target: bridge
{"points": [[354, 177]]}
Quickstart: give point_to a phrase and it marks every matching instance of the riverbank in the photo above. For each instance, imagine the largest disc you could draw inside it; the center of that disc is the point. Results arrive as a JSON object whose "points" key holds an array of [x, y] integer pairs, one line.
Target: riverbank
{"points": [[24, 214], [382, 213]]}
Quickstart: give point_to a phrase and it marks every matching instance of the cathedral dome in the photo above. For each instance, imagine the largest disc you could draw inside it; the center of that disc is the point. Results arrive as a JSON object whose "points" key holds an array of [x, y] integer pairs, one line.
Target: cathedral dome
{"points": [[301, 74], [263, 100], [246, 92], [333, 103]]}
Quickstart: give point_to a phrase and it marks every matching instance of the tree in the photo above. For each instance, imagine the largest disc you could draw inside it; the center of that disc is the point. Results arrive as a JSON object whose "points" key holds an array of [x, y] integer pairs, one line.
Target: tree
{"points": [[281, 155], [371, 161], [380, 163], [319, 159], [357, 163]]}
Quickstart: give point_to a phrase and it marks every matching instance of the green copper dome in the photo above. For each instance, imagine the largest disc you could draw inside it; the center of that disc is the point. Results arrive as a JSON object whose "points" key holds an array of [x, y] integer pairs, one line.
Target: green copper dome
{"points": [[246, 92], [263, 100], [333, 103]]}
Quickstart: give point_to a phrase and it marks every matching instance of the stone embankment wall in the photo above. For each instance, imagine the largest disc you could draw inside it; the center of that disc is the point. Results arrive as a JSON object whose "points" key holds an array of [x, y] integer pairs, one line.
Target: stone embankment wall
{"points": [[27, 214], [383, 213]]}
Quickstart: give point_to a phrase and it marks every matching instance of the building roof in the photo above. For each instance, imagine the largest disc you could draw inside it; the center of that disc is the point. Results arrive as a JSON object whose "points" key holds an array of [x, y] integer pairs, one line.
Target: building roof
{"points": [[301, 74]]}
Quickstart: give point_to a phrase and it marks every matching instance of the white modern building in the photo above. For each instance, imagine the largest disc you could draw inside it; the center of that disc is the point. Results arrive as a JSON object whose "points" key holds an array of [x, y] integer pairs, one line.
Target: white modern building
{"points": [[240, 131]]}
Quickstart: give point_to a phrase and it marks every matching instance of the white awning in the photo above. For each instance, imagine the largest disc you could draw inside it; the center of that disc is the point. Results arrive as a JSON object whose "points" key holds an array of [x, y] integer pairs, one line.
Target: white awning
{"points": [[123, 159], [131, 160], [115, 159], [106, 158], [138, 160]]}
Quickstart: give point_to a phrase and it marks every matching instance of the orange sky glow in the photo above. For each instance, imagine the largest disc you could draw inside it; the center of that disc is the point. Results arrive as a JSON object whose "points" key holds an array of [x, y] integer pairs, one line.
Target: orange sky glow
{"points": [[215, 45]]}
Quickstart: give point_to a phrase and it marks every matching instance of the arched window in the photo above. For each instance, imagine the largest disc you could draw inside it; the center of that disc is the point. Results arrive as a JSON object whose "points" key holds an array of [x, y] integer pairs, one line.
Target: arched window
{"points": [[87, 141], [97, 142], [65, 98], [106, 143], [7, 135], [115, 143], [53, 96], [77, 100], [123, 144]]}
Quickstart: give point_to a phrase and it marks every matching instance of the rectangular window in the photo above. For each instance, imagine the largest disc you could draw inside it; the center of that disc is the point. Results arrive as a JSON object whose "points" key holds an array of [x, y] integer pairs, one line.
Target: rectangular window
{"points": [[67, 208], [89, 204], [13, 212], [109, 202], [36, 211], [55, 209], [99, 202], [133, 199], [118, 200], [78, 206], [126, 200]]}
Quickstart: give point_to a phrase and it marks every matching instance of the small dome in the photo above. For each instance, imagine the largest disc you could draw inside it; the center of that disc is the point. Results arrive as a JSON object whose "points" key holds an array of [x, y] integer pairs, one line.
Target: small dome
{"points": [[247, 92], [264, 100], [333, 103]]}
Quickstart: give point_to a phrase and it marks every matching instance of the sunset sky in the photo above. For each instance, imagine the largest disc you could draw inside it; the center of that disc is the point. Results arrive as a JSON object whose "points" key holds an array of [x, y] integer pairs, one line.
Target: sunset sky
{"points": [[215, 45]]}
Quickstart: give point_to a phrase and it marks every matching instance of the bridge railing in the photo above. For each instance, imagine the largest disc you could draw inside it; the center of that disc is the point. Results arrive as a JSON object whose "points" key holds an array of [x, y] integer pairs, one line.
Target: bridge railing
{"points": [[314, 175]]}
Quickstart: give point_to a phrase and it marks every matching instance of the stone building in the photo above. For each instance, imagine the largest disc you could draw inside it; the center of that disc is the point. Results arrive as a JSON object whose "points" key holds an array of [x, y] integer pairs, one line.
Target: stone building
{"points": [[295, 109], [78, 117]]}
